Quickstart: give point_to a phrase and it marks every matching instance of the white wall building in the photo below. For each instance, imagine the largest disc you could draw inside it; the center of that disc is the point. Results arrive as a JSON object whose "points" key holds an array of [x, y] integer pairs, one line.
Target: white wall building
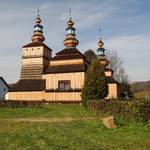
{"points": [[3, 88]]}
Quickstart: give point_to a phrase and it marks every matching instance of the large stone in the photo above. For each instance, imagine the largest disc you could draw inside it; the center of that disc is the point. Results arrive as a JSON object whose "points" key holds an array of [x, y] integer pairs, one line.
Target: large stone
{"points": [[109, 122]]}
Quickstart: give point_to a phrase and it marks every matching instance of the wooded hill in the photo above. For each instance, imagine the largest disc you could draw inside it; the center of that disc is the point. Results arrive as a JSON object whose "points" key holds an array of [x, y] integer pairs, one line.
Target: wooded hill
{"points": [[141, 86]]}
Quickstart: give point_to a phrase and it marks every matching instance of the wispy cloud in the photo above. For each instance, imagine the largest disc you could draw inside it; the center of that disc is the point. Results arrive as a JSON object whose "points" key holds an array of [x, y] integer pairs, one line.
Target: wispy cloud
{"points": [[134, 50], [125, 28]]}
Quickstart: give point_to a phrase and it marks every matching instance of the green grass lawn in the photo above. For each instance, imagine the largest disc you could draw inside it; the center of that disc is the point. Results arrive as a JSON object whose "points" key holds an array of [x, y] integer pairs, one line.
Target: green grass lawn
{"points": [[75, 135], [53, 110]]}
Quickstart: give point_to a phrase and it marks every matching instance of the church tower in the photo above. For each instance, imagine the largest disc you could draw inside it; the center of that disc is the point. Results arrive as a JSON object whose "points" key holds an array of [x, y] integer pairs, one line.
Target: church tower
{"points": [[70, 40], [36, 55]]}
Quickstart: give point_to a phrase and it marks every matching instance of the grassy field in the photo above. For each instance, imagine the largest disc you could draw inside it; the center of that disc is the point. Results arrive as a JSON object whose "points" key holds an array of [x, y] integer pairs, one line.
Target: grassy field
{"points": [[144, 94], [53, 110], [74, 135]]}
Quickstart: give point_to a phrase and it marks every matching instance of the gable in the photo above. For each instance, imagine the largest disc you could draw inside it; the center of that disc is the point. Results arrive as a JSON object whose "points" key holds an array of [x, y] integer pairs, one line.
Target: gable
{"points": [[3, 82]]}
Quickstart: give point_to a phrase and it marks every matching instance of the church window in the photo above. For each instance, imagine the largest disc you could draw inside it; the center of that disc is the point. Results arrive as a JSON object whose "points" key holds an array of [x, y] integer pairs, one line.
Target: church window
{"points": [[64, 85]]}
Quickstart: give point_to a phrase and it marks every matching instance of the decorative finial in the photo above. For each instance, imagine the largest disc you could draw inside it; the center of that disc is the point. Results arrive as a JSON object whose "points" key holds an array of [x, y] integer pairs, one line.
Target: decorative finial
{"points": [[38, 20], [70, 40], [38, 12], [99, 33], [100, 43], [70, 13], [38, 29], [101, 51], [70, 22]]}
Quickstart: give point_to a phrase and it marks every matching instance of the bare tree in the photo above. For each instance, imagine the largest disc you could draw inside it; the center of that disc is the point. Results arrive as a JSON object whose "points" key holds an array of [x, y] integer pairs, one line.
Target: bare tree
{"points": [[116, 64]]}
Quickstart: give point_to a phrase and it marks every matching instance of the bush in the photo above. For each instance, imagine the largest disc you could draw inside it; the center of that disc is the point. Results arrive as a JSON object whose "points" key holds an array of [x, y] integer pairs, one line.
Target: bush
{"points": [[138, 110]]}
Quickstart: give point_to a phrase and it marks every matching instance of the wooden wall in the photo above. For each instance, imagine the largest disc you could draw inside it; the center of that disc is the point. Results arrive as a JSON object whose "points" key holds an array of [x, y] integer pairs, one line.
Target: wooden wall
{"points": [[34, 62], [66, 62], [112, 91], [63, 96], [37, 95], [76, 78], [48, 96]]}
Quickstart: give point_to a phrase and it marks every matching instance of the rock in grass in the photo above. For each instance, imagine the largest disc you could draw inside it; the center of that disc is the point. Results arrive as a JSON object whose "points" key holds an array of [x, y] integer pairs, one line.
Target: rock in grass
{"points": [[109, 122]]}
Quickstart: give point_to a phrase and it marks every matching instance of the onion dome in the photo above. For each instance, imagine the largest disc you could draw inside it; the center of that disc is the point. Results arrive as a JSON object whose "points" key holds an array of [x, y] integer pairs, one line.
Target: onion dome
{"points": [[38, 30], [70, 40], [101, 53], [101, 50]]}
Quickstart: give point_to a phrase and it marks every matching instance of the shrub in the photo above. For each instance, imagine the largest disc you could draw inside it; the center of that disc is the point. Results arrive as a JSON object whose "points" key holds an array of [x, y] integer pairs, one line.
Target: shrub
{"points": [[95, 85], [17, 103], [138, 110]]}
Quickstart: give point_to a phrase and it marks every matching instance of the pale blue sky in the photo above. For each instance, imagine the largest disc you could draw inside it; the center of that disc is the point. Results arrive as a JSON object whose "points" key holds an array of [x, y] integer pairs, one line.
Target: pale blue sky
{"points": [[125, 29]]}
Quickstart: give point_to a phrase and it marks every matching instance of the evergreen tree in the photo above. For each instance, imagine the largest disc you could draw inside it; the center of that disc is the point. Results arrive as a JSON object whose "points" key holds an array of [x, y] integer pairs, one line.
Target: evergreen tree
{"points": [[95, 85]]}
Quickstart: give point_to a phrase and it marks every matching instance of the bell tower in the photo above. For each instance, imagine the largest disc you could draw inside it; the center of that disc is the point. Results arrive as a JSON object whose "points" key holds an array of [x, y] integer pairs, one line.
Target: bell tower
{"points": [[36, 55]]}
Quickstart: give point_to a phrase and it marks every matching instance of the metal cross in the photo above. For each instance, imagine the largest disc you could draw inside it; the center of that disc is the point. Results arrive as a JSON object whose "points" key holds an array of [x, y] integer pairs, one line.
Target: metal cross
{"points": [[38, 12], [70, 12]]}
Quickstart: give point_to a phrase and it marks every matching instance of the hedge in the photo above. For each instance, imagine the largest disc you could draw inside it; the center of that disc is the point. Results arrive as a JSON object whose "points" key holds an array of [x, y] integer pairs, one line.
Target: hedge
{"points": [[138, 110], [15, 103], [29, 103]]}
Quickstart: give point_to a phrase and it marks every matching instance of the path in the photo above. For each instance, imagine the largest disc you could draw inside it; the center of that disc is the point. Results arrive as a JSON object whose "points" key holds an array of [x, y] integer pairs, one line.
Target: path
{"points": [[48, 120]]}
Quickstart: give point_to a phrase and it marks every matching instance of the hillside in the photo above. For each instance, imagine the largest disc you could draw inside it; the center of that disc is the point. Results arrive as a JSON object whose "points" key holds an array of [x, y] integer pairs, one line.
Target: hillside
{"points": [[141, 86], [141, 89]]}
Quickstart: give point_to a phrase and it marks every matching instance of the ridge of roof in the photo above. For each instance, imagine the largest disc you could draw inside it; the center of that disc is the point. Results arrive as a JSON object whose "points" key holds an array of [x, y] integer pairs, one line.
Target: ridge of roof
{"points": [[69, 53]]}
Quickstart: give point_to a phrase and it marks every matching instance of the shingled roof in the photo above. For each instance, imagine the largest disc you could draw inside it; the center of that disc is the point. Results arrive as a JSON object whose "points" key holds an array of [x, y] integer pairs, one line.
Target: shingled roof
{"points": [[69, 53], [111, 80], [67, 68], [28, 85]]}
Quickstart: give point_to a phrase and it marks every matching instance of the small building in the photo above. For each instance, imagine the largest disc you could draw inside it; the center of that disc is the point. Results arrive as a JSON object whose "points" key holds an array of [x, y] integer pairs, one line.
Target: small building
{"points": [[3, 88], [59, 78]]}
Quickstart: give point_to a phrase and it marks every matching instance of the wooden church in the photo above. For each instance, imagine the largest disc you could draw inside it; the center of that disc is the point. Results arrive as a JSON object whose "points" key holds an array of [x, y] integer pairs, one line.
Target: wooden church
{"points": [[59, 78]]}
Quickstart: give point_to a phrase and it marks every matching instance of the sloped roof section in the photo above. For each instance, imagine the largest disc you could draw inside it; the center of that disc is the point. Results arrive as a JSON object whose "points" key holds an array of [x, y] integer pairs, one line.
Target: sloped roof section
{"points": [[28, 85], [67, 68], [111, 80], [69, 53], [70, 50], [1, 78]]}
